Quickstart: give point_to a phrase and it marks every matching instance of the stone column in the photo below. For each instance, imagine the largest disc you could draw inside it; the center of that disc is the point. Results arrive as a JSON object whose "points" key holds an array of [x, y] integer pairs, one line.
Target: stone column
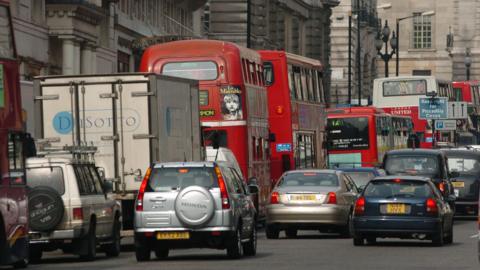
{"points": [[93, 60], [76, 54], [68, 61], [86, 61]]}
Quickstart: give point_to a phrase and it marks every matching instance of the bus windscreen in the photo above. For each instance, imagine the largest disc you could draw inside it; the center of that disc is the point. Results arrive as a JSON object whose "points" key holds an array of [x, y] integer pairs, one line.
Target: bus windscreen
{"points": [[404, 88], [348, 133]]}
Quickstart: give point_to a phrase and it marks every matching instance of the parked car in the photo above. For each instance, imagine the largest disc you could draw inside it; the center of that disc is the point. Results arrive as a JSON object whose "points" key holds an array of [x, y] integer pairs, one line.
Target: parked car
{"points": [[69, 208], [429, 163], [194, 205], [361, 176], [467, 184], [409, 207], [311, 200]]}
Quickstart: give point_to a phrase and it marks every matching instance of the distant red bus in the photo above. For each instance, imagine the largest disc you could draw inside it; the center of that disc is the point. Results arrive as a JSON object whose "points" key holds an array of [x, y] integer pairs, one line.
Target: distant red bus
{"points": [[233, 98], [13, 196], [297, 111], [468, 91], [360, 136]]}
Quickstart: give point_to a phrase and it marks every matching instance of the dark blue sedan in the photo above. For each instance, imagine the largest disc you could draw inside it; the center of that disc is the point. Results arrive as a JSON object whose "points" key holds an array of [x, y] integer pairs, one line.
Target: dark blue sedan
{"points": [[407, 207]]}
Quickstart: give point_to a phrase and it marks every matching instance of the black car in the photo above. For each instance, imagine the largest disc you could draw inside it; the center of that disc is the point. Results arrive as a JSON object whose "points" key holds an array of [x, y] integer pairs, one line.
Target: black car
{"points": [[407, 207], [421, 162], [466, 185]]}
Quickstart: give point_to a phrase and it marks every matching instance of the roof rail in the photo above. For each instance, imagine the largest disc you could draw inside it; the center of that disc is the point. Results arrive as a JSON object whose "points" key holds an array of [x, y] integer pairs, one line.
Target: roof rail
{"points": [[81, 152]]}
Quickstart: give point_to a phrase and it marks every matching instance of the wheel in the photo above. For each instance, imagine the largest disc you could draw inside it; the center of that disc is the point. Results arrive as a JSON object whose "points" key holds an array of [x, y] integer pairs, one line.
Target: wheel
{"points": [[437, 239], [34, 254], [89, 243], [46, 208], [358, 241], [250, 248], [23, 263], [235, 248], [371, 240], [142, 250], [272, 232], [346, 230], [291, 233], [113, 249], [449, 238], [161, 253]]}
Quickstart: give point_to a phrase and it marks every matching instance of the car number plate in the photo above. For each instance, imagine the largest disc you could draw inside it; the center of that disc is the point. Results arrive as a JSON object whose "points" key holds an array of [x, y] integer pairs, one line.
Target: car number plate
{"points": [[303, 197], [173, 235], [396, 208], [458, 184]]}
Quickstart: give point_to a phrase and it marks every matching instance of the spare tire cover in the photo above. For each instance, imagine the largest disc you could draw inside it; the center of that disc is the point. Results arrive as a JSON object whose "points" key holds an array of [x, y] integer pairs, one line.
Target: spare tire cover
{"points": [[45, 208], [194, 206]]}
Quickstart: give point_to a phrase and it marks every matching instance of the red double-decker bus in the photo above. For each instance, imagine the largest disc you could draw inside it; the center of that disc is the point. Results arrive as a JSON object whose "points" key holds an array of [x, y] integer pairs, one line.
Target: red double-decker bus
{"points": [[468, 132], [297, 111], [233, 98], [360, 136], [13, 196]]}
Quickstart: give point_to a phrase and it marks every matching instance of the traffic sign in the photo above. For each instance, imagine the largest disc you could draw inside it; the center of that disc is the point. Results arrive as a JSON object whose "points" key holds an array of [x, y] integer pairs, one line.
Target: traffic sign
{"points": [[432, 108], [446, 124], [457, 110]]}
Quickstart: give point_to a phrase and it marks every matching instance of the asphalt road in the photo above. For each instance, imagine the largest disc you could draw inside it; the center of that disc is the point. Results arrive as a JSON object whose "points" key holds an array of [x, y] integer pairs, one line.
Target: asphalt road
{"points": [[310, 250]]}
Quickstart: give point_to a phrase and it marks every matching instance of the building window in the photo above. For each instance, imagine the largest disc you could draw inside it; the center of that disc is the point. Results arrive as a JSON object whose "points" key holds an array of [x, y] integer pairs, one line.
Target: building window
{"points": [[422, 31], [123, 62]]}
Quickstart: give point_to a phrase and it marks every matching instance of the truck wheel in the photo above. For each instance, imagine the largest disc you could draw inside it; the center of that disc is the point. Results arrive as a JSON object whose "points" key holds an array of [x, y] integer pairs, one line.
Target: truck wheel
{"points": [[113, 249], [250, 248], [235, 248], [90, 244], [142, 250], [161, 253]]}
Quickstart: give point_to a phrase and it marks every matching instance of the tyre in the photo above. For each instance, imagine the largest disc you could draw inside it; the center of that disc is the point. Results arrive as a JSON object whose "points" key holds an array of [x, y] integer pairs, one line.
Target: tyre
{"points": [[250, 248], [437, 239], [113, 249], [142, 250], [45, 208], [161, 253], [449, 238], [235, 247], [358, 241], [371, 240], [23, 263], [89, 244], [346, 230], [35, 254], [272, 232], [194, 206], [291, 233]]}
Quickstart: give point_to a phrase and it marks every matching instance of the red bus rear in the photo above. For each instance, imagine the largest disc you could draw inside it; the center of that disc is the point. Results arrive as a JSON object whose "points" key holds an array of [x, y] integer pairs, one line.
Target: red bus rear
{"points": [[468, 131], [233, 99], [13, 197], [296, 103], [360, 136]]}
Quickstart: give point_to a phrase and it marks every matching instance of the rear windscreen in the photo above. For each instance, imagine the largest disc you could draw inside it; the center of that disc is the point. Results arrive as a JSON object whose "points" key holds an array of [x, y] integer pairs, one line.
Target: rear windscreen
{"points": [[398, 189], [361, 178], [49, 176], [414, 165], [178, 178], [464, 165], [309, 179]]}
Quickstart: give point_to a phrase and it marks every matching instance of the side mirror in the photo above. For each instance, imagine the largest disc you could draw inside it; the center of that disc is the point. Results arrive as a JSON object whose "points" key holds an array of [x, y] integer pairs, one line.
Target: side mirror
{"points": [[454, 174], [253, 189], [107, 186]]}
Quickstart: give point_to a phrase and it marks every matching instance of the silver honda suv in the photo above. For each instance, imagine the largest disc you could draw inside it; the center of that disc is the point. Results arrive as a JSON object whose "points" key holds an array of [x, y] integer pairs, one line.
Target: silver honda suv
{"points": [[194, 205]]}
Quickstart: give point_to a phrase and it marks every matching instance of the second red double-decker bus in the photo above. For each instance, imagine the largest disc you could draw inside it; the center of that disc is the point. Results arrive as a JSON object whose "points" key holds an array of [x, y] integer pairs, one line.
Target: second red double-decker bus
{"points": [[468, 91], [233, 98], [297, 111], [360, 136]]}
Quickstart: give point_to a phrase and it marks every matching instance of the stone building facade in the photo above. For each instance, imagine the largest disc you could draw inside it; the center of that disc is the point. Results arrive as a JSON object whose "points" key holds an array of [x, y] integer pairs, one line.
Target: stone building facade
{"points": [[94, 36], [340, 54], [297, 26]]}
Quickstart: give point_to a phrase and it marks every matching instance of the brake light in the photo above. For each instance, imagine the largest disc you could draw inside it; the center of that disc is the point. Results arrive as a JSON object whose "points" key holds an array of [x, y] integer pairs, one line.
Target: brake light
{"points": [[223, 189], [78, 213], [431, 206], [332, 198], [360, 206], [141, 191], [274, 198]]}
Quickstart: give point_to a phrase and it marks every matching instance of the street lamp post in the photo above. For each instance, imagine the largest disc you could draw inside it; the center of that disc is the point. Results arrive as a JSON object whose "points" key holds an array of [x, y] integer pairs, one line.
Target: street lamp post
{"points": [[382, 38], [468, 63], [397, 60]]}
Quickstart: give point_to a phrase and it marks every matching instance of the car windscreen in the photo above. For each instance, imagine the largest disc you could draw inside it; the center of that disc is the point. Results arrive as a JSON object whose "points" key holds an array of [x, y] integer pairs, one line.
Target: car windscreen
{"points": [[361, 178], [309, 179], [465, 165], [413, 165], [181, 177], [398, 188], [47, 176]]}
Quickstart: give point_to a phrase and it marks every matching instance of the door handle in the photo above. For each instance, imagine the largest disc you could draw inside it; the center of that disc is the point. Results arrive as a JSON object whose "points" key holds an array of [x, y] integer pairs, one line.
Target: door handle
{"points": [[158, 199]]}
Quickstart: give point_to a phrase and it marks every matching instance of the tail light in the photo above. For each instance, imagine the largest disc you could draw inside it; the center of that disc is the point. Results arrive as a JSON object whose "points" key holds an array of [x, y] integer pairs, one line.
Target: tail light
{"points": [[431, 205], [331, 198], [223, 189], [360, 206], [141, 191], [274, 198], [78, 213]]}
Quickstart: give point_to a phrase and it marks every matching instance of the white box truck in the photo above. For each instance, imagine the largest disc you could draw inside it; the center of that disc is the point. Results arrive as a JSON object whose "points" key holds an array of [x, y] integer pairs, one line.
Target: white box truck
{"points": [[133, 120]]}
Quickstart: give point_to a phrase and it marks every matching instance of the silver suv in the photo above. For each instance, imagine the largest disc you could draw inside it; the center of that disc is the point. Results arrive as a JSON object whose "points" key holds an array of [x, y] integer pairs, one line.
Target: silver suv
{"points": [[194, 205], [69, 209]]}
